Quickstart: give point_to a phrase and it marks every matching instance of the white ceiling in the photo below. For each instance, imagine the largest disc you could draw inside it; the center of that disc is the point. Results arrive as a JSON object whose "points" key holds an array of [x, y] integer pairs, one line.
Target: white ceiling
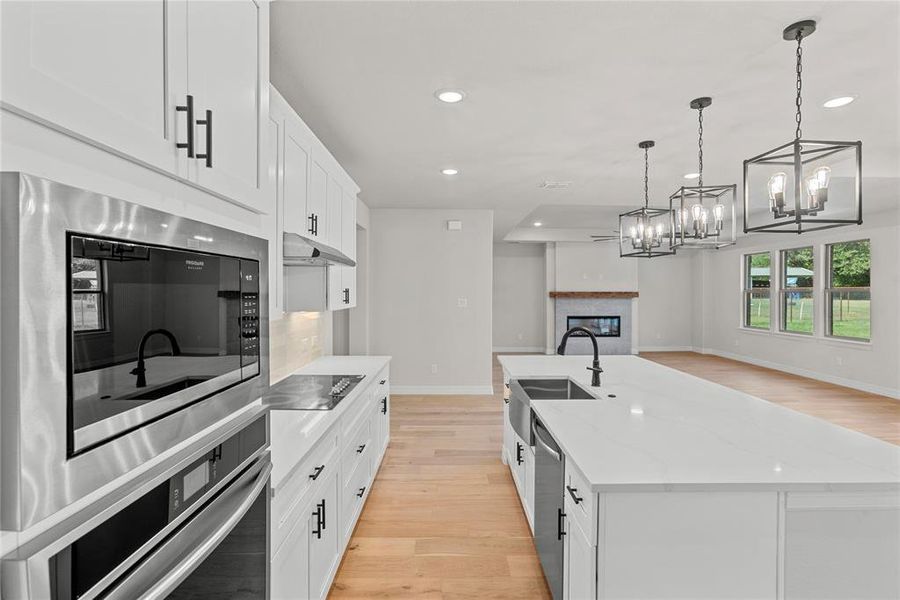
{"points": [[564, 91]]}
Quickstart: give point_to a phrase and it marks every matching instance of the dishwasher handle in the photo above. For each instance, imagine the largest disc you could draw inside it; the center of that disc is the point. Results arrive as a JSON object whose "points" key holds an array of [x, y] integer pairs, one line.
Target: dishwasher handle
{"points": [[535, 425]]}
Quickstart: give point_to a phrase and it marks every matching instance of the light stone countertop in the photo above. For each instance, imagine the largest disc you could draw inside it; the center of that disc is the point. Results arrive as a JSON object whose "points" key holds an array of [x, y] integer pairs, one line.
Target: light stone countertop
{"points": [[668, 430]]}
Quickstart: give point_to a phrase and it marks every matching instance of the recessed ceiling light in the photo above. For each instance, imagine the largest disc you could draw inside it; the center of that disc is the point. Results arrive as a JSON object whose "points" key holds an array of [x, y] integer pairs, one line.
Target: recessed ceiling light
{"points": [[537, 223], [839, 101], [450, 96], [691, 175], [449, 171]]}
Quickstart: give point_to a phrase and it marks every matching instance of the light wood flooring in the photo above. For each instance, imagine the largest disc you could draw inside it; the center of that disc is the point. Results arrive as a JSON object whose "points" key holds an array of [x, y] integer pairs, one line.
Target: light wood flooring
{"points": [[443, 520]]}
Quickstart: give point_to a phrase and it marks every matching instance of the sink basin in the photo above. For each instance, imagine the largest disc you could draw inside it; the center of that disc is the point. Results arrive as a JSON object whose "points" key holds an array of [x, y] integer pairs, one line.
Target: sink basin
{"points": [[553, 389], [523, 391]]}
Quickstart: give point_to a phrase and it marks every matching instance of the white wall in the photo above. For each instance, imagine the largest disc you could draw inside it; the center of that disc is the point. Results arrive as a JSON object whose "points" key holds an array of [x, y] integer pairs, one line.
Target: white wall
{"points": [[592, 267], [420, 273], [519, 290], [666, 302], [874, 367]]}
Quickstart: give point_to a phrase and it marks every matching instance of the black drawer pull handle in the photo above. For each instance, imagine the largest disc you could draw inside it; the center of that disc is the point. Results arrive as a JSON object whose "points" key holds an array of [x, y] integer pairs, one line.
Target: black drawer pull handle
{"points": [[188, 108], [506, 400], [320, 519], [310, 218], [384, 405], [560, 515], [382, 382], [360, 449], [316, 472], [324, 526], [578, 499], [361, 492], [346, 295], [519, 448], [315, 219], [208, 154]]}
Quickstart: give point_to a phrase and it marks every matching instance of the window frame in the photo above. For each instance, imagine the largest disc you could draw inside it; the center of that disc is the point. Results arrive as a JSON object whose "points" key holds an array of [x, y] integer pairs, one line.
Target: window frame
{"points": [[748, 290], [100, 292], [829, 288], [783, 290]]}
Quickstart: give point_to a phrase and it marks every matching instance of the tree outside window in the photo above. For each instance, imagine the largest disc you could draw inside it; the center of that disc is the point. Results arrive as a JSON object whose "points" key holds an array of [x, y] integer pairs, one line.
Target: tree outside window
{"points": [[797, 282], [849, 278], [757, 290]]}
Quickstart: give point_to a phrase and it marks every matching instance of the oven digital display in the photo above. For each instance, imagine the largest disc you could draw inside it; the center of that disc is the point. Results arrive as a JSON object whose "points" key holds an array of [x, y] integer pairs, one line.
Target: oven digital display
{"points": [[195, 481]]}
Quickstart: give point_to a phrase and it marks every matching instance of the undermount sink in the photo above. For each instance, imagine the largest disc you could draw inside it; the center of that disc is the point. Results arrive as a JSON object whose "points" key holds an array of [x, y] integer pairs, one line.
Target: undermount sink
{"points": [[524, 391], [553, 389]]}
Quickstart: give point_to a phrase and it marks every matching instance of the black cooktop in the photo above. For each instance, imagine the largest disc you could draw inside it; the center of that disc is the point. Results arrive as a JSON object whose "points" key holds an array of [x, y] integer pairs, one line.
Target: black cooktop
{"points": [[310, 392]]}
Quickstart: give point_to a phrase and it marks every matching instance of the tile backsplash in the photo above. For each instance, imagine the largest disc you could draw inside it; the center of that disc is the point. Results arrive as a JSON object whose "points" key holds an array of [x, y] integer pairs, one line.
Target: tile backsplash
{"points": [[295, 340]]}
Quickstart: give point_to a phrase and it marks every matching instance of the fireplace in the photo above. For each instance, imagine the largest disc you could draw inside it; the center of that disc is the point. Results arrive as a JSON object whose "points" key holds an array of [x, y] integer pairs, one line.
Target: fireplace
{"points": [[600, 326]]}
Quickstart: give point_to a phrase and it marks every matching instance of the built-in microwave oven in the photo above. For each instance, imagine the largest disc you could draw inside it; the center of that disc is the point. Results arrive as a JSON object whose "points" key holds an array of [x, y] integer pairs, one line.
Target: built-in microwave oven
{"points": [[125, 331]]}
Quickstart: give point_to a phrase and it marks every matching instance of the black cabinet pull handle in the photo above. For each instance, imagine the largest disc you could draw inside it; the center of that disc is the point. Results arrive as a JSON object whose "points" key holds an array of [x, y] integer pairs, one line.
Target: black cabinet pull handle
{"points": [[578, 499], [310, 218], [382, 382], [560, 515], [320, 519], [519, 449], [346, 295], [188, 108], [315, 224], [360, 449], [384, 405], [324, 526], [506, 401], [360, 493], [316, 472], [208, 154]]}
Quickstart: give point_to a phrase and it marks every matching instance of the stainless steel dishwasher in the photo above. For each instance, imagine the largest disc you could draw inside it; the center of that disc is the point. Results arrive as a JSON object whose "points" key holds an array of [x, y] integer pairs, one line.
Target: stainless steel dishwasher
{"points": [[548, 505]]}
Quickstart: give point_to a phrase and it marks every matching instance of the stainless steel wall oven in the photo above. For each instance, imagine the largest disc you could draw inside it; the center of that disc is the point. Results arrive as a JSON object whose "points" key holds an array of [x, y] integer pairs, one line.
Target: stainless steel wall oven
{"points": [[125, 331], [199, 529]]}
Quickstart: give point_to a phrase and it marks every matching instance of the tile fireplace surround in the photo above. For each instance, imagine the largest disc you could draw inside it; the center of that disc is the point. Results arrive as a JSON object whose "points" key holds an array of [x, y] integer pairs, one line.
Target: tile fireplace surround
{"points": [[620, 304]]}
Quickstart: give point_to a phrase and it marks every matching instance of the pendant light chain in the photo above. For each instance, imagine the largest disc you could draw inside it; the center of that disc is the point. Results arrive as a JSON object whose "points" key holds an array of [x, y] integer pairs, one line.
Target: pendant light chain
{"points": [[700, 144], [646, 177], [799, 100]]}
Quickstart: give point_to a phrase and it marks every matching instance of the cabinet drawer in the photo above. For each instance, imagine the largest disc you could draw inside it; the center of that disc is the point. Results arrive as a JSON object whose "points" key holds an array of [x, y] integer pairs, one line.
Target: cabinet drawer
{"points": [[300, 483], [356, 414], [581, 504], [382, 384], [356, 447], [354, 493]]}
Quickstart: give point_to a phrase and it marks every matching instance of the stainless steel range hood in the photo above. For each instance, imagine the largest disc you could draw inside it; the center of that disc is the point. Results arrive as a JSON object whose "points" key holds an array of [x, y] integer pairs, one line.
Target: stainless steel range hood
{"points": [[300, 251]]}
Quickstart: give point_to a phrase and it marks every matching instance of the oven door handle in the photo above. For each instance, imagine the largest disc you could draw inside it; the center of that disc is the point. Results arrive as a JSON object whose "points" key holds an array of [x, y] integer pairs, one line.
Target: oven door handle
{"points": [[164, 569]]}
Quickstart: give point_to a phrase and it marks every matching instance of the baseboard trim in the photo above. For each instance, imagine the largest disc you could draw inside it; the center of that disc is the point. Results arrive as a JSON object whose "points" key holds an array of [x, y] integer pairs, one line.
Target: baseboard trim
{"points": [[442, 390], [517, 349], [850, 383]]}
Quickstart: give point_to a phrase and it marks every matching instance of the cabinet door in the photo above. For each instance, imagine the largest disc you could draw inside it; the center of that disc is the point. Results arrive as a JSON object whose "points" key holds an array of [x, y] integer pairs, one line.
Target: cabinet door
{"points": [[335, 198], [99, 70], [580, 558], [296, 179], [528, 477], [348, 225], [290, 565], [317, 201], [224, 77], [505, 450], [324, 537]]}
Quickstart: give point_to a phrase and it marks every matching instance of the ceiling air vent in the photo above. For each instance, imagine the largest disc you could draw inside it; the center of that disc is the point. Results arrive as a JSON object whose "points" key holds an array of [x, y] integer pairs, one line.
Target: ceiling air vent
{"points": [[554, 185]]}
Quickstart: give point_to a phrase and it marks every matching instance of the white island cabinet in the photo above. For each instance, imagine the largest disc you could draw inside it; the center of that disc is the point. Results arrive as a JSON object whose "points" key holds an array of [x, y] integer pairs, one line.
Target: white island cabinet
{"points": [[323, 467], [677, 487]]}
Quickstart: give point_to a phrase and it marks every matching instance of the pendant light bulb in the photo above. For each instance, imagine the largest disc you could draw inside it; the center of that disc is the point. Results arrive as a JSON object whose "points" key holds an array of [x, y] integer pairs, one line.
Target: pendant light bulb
{"points": [[776, 192], [719, 216]]}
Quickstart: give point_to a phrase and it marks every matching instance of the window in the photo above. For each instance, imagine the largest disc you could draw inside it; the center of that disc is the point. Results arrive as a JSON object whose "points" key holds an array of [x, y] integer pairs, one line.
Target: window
{"points": [[797, 281], [88, 297], [757, 286], [848, 310]]}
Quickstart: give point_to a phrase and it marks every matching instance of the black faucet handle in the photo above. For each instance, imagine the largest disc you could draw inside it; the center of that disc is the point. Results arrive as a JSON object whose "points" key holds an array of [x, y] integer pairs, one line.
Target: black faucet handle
{"points": [[597, 369]]}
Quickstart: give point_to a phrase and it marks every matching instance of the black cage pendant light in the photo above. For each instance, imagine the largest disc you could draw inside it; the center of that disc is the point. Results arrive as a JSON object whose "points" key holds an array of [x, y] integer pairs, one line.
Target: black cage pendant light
{"points": [[704, 214], [804, 185], [646, 232]]}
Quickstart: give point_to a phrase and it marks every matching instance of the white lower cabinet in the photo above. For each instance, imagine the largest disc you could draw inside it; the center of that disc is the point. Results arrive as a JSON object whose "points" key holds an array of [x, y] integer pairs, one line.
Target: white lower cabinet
{"points": [[579, 564], [319, 490]]}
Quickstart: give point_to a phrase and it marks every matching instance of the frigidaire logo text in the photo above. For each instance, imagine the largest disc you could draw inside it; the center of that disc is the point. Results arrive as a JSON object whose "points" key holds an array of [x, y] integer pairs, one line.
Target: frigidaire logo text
{"points": [[194, 265]]}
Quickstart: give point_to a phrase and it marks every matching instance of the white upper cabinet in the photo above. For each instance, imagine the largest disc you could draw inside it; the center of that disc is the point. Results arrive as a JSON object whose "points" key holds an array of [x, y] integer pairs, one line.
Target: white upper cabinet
{"points": [[98, 70], [296, 181], [317, 202], [223, 58], [348, 222], [137, 78], [335, 202]]}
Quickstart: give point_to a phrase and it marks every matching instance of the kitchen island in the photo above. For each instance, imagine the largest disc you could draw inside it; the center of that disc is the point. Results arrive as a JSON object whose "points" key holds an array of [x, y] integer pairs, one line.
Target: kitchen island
{"points": [[675, 486]]}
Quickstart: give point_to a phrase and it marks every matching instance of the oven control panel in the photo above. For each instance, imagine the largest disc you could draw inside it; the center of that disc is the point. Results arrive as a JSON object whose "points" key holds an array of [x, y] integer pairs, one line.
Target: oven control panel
{"points": [[249, 317]]}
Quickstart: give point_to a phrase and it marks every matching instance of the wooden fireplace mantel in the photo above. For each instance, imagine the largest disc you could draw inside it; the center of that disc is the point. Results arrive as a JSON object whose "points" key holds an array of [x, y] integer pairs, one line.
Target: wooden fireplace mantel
{"points": [[593, 294]]}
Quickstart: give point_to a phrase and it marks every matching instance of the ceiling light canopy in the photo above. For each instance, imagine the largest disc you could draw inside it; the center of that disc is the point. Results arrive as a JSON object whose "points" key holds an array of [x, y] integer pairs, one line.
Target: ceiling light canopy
{"points": [[537, 223], [450, 171], [838, 102], [646, 232], [450, 96], [704, 214], [786, 189]]}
